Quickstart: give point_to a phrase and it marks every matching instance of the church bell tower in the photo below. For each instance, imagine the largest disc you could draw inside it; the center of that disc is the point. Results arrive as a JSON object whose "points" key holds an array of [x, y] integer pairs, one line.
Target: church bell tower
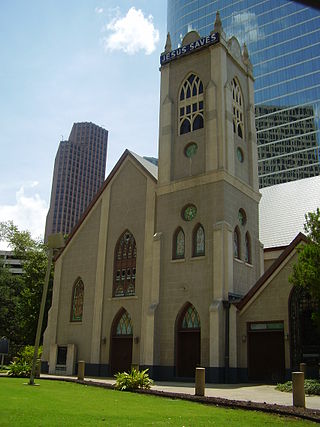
{"points": [[207, 193]]}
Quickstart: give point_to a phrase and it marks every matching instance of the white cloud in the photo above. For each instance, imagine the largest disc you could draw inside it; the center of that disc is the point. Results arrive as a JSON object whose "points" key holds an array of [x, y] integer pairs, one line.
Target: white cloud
{"points": [[28, 213], [245, 27], [98, 10], [131, 33]]}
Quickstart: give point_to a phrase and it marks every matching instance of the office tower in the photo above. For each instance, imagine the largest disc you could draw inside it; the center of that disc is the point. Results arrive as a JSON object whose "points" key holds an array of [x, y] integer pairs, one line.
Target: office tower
{"points": [[283, 40], [79, 171]]}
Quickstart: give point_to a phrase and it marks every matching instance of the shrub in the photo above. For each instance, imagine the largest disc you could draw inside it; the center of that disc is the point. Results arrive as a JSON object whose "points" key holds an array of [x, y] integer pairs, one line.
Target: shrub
{"points": [[310, 387], [22, 365], [19, 369], [133, 380]]}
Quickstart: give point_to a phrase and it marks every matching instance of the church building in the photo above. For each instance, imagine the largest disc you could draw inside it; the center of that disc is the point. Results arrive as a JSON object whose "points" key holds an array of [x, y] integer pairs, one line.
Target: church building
{"points": [[165, 268]]}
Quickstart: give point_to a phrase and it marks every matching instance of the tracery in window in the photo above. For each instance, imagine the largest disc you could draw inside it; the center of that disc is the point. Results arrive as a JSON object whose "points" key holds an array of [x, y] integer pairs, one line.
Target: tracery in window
{"points": [[237, 108], [236, 243], [198, 241], [191, 105], [247, 255], [178, 244], [77, 301], [190, 319], [124, 277], [124, 326]]}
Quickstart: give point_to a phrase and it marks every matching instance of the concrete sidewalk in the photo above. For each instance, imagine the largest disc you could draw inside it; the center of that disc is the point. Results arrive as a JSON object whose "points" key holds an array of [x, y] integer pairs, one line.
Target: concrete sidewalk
{"points": [[242, 392]]}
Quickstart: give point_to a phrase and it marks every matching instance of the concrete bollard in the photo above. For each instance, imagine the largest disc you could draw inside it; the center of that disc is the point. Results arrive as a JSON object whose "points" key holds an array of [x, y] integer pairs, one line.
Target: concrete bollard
{"points": [[298, 394], [303, 368], [81, 368], [200, 381]]}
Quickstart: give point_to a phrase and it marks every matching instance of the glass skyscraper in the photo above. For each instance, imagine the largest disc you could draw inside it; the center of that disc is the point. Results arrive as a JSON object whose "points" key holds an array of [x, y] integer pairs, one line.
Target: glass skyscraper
{"points": [[283, 40], [79, 172]]}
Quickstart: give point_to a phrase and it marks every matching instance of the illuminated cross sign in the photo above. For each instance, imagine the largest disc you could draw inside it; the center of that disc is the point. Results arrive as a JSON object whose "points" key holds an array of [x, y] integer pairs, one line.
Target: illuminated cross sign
{"points": [[189, 48]]}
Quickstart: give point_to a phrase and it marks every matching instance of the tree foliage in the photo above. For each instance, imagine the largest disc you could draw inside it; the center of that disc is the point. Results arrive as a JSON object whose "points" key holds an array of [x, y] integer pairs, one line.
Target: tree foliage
{"points": [[306, 272], [26, 290]]}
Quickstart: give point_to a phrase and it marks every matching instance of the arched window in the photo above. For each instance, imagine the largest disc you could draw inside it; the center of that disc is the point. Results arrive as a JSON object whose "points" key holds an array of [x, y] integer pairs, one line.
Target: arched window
{"points": [[236, 243], [247, 255], [198, 241], [124, 326], [191, 105], [178, 246], [190, 319], [125, 255], [237, 108], [77, 301]]}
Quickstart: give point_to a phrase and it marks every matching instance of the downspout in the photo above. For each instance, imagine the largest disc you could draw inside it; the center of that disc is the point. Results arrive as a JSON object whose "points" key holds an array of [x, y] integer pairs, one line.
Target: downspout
{"points": [[226, 306]]}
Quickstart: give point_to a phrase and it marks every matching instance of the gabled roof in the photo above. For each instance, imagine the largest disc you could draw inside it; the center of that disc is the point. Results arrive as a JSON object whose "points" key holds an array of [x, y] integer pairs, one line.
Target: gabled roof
{"points": [[283, 207], [277, 263], [147, 166], [150, 167]]}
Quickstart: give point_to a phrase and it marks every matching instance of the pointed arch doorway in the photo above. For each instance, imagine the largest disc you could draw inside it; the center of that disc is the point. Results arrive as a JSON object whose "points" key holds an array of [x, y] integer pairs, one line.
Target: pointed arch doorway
{"points": [[187, 341], [121, 343]]}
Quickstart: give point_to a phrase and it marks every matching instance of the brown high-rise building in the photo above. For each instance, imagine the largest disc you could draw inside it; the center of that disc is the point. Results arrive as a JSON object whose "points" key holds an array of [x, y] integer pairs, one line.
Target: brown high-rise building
{"points": [[79, 171]]}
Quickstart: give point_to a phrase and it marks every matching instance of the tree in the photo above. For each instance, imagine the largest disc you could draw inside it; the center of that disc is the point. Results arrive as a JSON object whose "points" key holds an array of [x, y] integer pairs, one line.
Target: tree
{"points": [[34, 257], [306, 272], [10, 290]]}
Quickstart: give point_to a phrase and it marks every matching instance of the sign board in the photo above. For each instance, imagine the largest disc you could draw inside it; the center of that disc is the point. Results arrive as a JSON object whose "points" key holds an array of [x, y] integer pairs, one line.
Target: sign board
{"points": [[4, 345], [189, 48]]}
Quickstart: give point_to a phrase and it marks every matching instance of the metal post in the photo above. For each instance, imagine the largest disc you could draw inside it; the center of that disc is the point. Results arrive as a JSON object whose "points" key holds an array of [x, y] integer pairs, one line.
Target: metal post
{"points": [[40, 320], [55, 241]]}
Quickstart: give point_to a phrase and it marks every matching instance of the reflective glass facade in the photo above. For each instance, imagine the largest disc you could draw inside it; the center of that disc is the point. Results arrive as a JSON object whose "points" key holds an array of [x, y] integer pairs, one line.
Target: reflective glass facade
{"points": [[283, 39], [79, 172]]}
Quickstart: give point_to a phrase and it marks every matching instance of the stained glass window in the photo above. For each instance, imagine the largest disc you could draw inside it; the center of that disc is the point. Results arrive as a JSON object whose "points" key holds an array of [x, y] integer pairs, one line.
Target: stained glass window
{"points": [[242, 217], [189, 212], [198, 241], [247, 255], [178, 244], [240, 155], [191, 105], [125, 266], [77, 301], [124, 326], [191, 319], [237, 107], [191, 149], [236, 243]]}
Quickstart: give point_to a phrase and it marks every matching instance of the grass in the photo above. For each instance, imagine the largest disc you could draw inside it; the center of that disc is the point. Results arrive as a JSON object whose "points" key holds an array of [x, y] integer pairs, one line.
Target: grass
{"points": [[55, 403]]}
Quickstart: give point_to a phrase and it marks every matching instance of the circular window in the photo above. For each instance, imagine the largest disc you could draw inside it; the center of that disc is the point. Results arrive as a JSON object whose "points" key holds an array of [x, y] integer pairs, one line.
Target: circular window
{"points": [[242, 217], [189, 212], [240, 155], [191, 149]]}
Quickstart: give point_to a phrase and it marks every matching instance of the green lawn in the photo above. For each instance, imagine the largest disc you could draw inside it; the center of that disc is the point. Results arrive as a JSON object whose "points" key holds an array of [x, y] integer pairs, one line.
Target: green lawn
{"points": [[55, 403]]}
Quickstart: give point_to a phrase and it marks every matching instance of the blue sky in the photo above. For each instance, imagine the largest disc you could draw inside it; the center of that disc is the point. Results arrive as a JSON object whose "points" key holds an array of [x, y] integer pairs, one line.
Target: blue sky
{"points": [[71, 61]]}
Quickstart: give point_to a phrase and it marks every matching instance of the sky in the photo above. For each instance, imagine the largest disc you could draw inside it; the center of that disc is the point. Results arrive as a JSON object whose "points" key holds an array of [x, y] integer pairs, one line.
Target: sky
{"points": [[67, 61]]}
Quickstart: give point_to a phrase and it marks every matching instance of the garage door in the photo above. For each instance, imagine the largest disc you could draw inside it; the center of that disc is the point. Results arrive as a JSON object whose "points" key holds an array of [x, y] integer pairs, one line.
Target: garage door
{"points": [[266, 352]]}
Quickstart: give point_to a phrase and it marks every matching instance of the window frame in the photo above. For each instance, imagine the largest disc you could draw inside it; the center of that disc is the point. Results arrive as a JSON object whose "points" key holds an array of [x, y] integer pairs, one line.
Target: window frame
{"points": [[190, 104], [78, 283], [123, 264], [195, 252], [175, 244]]}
